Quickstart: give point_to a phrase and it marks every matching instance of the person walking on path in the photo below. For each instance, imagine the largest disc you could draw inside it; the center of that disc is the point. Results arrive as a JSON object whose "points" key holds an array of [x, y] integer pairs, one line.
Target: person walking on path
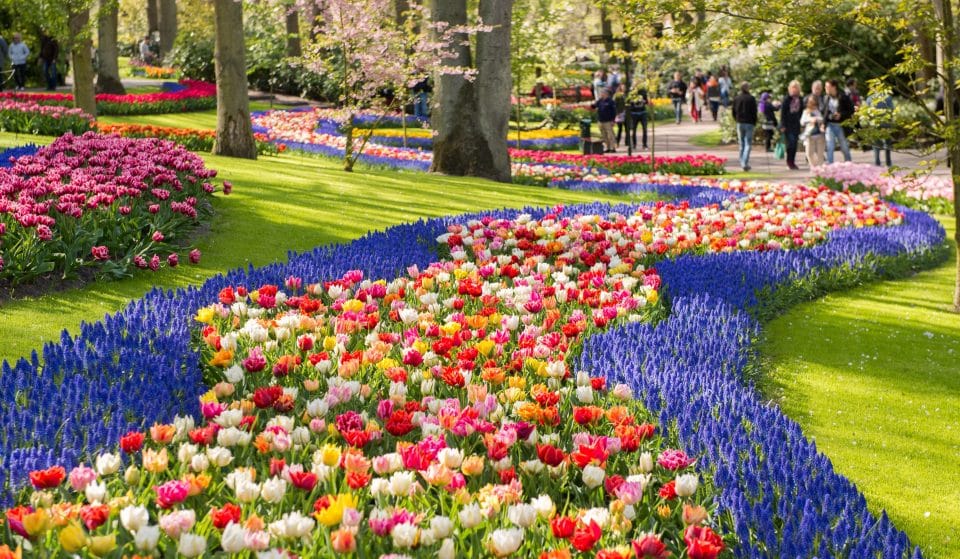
{"points": [[606, 114], [839, 108], [713, 96], [638, 115], [19, 52], [695, 98], [49, 51], [726, 85], [768, 114], [884, 103], [791, 110], [813, 132], [745, 114], [677, 90]]}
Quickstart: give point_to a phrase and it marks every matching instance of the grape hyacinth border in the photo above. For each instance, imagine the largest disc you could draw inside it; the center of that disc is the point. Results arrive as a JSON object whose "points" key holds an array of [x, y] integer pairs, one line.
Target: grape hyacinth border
{"points": [[137, 366]]}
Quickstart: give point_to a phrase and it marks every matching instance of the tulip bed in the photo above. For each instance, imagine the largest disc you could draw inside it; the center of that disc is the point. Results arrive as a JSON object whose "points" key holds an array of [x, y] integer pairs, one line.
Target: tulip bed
{"points": [[187, 95], [323, 380], [319, 131], [191, 138], [549, 140], [931, 194], [99, 203], [28, 117]]}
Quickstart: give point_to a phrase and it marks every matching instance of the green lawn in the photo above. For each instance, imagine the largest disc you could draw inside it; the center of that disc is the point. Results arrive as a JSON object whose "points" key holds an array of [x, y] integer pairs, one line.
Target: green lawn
{"points": [[873, 375], [709, 139], [196, 119], [281, 203]]}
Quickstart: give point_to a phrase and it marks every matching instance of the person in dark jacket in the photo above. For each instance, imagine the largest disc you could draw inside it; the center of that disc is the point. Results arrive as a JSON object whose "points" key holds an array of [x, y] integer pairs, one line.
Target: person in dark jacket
{"points": [[768, 119], [745, 114], [791, 109], [637, 107], [677, 90], [421, 97], [839, 109], [49, 51], [606, 115]]}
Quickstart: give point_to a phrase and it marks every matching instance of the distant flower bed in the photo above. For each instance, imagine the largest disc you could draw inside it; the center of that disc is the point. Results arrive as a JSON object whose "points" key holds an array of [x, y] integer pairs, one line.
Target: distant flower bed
{"points": [[693, 164], [187, 95], [190, 138], [102, 203], [928, 193], [546, 139], [153, 72], [28, 117]]}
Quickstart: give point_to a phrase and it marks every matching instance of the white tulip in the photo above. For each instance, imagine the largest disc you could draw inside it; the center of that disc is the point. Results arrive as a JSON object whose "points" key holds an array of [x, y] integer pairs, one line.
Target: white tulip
{"points": [[133, 518], [544, 506], [505, 541], [246, 490], [593, 476], [686, 484], [229, 418], [232, 539], [585, 394], [447, 550], [96, 492], [470, 516], [400, 483], [404, 535], [645, 463], [186, 452], [192, 545], [523, 515], [107, 464], [450, 457], [199, 463], [273, 490], [441, 526], [146, 538], [219, 456]]}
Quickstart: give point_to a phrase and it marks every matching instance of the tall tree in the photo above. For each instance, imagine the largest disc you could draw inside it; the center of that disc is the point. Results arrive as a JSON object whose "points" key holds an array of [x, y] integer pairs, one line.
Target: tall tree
{"points": [[472, 117], [167, 22], [234, 129], [81, 45], [108, 73], [292, 24], [153, 15]]}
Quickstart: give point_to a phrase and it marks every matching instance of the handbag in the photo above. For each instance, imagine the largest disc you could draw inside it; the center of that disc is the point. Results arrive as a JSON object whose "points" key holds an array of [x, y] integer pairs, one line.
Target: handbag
{"points": [[781, 150]]}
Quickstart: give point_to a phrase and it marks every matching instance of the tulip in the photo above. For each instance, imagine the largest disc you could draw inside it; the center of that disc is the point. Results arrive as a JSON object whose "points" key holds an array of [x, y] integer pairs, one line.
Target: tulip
{"points": [[191, 545], [72, 537], [686, 485], [593, 476], [146, 538], [102, 545], [232, 538], [504, 542]]}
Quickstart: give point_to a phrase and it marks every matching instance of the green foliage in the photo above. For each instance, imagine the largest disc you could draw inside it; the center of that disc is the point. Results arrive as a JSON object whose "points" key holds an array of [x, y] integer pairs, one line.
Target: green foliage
{"points": [[192, 54], [44, 124]]}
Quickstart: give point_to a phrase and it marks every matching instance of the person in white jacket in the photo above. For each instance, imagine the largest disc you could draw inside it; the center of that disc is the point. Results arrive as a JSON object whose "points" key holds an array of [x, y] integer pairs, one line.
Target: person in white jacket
{"points": [[19, 51]]}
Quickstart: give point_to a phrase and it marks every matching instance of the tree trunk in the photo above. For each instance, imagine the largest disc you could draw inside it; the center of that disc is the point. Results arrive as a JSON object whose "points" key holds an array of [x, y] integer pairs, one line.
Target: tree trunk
{"points": [[401, 7], [153, 17], [472, 118], [234, 129], [949, 54], [82, 60], [167, 20], [316, 20], [606, 28], [108, 74], [293, 34], [494, 82]]}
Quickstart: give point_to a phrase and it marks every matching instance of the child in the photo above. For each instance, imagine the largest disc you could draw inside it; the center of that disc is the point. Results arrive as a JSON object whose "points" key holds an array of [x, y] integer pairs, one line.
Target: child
{"points": [[813, 132], [768, 114]]}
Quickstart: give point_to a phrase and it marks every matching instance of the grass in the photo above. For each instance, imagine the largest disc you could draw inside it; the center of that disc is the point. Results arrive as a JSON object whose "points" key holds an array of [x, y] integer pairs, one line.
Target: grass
{"points": [[203, 120], [872, 376], [290, 202], [710, 139]]}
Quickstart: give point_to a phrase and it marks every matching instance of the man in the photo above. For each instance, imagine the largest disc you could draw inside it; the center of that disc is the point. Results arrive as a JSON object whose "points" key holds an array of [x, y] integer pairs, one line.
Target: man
{"points": [[606, 114], [49, 51], [745, 113], [19, 52], [677, 90], [421, 97], [839, 108], [146, 51]]}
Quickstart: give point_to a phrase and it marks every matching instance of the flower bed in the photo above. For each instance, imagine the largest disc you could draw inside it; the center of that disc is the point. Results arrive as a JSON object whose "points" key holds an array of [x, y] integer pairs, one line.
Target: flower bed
{"points": [[99, 203], [190, 138], [783, 498], [928, 193], [318, 131], [188, 95], [26, 117], [546, 139]]}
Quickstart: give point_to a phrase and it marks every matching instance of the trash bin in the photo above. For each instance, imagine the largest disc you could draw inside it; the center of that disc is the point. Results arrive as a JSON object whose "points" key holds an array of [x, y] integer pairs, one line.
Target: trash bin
{"points": [[585, 128]]}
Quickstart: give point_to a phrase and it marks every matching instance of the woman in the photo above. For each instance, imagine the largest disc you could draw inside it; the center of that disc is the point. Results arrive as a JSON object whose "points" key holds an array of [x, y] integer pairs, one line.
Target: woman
{"points": [[620, 99], [713, 96], [637, 107], [768, 116], [695, 96], [813, 132], [791, 111]]}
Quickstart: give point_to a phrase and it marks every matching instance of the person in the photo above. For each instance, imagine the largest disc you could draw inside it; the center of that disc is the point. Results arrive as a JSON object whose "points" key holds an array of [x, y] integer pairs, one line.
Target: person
{"points": [[726, 84], [637, 106], [146, 50], [421, 97], [853, 92], [4, 54], [816, 91], [677, 90], [49, 51], [620, 100], [713, 96], [599, 83], [695, 97], [745, 114], [613, 79], [883, 102], [768, 112], [839, 108], [606, 114], [19, 52], [813, 132], [791, 111]]}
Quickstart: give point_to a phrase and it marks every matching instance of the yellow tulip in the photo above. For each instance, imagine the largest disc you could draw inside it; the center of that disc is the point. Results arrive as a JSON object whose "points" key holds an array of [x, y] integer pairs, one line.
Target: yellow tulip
{"points": [[72, 538], [485, 347], [102, 545], [36, 522], [353, 305], [329, 343], [330, 454], [205, 315]]}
